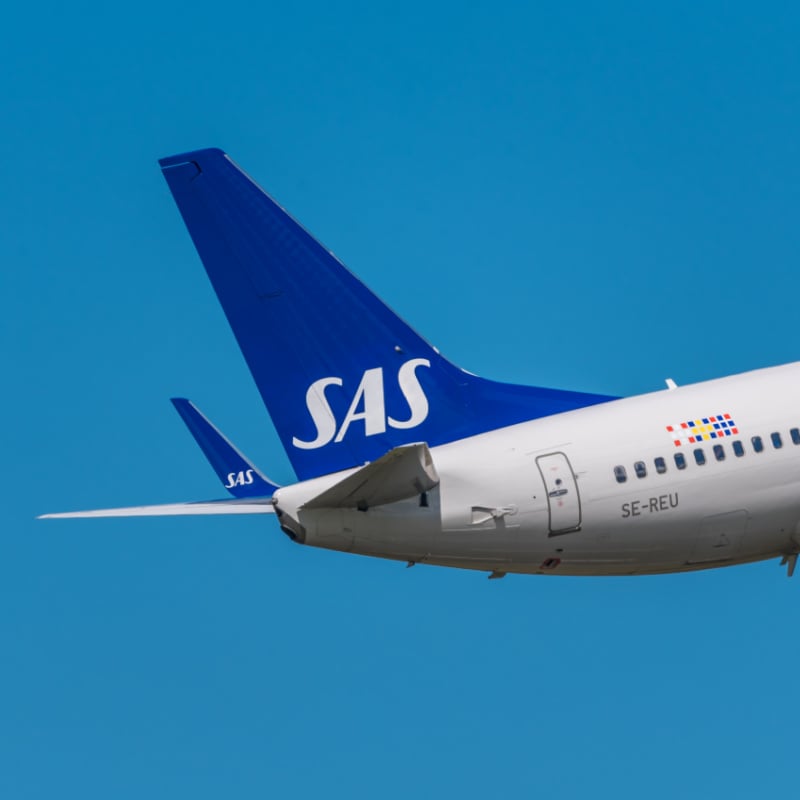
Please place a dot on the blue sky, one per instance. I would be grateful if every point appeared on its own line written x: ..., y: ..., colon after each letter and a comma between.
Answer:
x: 594, y: 196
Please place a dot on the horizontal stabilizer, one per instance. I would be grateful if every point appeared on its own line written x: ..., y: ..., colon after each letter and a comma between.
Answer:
x: 174, y: 510
x: 403, y: 472
x: 237, y: 474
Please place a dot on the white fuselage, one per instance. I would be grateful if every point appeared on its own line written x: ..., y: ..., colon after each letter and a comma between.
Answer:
x: 543, y: 496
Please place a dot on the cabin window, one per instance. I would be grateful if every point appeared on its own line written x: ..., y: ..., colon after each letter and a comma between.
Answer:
x: 777, y: 442
x: 758, y: 445
x: 620, y: 474
x: 795, y: 433
x: 640, y: 469
x: 719, y: 452
x: 661, y: 465
x: 700, y: 456
x: 738, y: 449
x: 680, y: 460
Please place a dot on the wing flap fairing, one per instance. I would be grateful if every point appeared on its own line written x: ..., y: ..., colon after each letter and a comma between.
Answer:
x: 404, y: 472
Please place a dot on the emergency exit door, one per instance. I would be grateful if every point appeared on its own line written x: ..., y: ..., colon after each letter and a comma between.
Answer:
x: 563, y: 502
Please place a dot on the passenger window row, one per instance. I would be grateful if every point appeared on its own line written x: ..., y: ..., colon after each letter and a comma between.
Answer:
x: 699, y: 455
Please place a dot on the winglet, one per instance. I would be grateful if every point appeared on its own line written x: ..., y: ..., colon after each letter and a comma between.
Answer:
x: 237, y: 474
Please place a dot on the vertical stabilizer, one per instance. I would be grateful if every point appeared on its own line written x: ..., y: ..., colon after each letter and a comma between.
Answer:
x: 344, y: 379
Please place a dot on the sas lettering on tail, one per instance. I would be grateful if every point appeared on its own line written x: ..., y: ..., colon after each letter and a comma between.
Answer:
x: 368, y: 404
x: 242, y: 478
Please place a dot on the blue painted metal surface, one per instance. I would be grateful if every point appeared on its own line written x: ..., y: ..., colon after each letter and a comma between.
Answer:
x: 343, y: 377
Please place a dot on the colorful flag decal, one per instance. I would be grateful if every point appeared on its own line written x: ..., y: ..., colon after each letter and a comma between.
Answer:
x: 702, y: 430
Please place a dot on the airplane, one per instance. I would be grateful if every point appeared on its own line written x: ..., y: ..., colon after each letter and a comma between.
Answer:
x: 400, y: 454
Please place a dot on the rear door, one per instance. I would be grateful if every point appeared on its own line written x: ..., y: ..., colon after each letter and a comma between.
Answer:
x: 562, y: 493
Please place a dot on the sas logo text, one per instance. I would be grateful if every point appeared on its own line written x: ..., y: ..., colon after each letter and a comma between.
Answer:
x: 242, y: 478
x: 367, y: 404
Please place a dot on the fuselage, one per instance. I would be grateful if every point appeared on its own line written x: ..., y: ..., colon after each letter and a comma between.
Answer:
x: 599, y: 490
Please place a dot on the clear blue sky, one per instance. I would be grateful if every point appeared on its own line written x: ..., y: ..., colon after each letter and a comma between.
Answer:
x: 594, y: 196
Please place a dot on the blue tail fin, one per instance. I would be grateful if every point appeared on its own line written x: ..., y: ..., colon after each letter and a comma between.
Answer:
x: 237, y: 474
x: 343, y: 377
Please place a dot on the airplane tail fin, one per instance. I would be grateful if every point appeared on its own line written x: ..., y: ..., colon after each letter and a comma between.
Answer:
x: 344, y: 379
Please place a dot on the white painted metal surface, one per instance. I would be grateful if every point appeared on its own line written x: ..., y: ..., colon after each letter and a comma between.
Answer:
x: 562, y: 493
